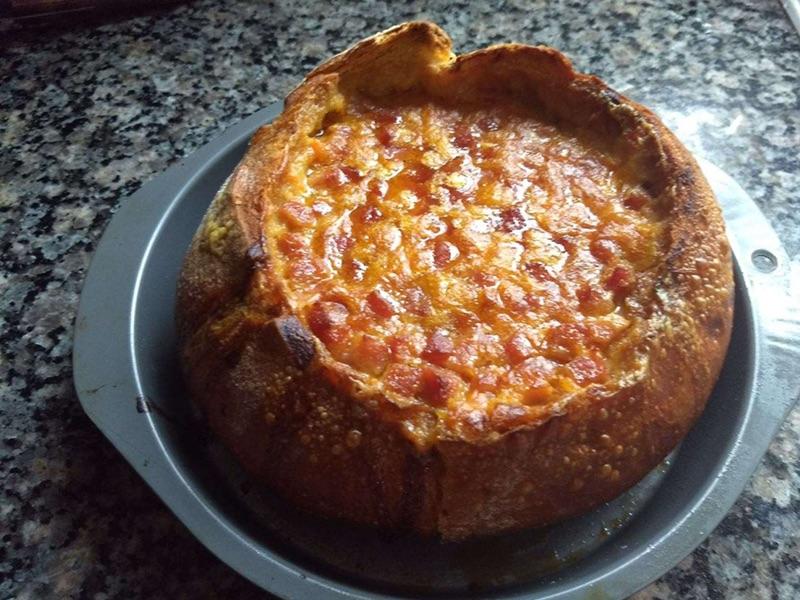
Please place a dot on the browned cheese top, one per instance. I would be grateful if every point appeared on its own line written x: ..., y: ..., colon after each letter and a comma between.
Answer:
x: 477, y: 259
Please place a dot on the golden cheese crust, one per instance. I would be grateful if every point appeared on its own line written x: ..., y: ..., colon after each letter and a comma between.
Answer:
x: 459, y: 295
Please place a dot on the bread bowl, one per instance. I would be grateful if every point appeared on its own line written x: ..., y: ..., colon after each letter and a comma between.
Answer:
x: 458, y: 295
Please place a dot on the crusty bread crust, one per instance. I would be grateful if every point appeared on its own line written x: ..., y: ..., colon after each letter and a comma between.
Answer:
x: 311, y: 428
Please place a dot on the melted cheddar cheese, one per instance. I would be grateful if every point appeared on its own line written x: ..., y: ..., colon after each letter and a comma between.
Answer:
x: 479, y: 260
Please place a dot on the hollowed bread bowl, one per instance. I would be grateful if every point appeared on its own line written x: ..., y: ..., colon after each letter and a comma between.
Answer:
x: 455, y: 294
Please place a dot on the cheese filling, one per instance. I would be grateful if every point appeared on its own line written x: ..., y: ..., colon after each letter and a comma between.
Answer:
x: 476, y: 259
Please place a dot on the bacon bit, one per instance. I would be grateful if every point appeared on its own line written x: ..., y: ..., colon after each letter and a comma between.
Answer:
x: 371, y: 355
x: 514, y: 298
x: 483, y: 278
x: 296, y: 215
x: 444, y: 253
x: 384, y: 135
x: 603, y: 250
x: 532, y: 375
x: 569, y: 336
x: 464, y: 319
x: 342, y: 241
x: 368, y: 213
x: 507, y: 416
x: 406, y: 346
x: 465, y: 356
x: 635, y: 201
x: 537, y: 394
x: 382, y: 303
x: 335, y: 177
x: 489, y: 124
x: 487, y: 381
x: 588, y: 369
x: 355, y: 269
x: 385, y: 116
x: 438, y: 385
x: 419, y: 173
x: 403, y: 379
x: 513, y: 220
x: 304, y: 270
x: 539, y: 271
x: 327, y: 320
x: 376, y: 190
x: 568, y: 242
x: 293, y: 245
x: 463, y: 137
x: 518, y: 348
x: 620, y: 281
x: 439, y: 347
x: 352, y: 174
x: 417, y: 302
x: 593, y: 301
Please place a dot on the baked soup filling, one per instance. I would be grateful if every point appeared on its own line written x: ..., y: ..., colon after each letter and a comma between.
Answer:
x: 477, y: 259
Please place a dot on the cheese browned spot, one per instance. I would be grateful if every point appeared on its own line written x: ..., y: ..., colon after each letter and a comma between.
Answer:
x: 474, y: 259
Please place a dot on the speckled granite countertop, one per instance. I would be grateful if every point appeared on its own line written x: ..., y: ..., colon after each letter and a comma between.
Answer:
x: 87, y: 114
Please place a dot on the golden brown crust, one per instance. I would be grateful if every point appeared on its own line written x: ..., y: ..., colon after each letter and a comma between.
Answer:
x: 315, y: 430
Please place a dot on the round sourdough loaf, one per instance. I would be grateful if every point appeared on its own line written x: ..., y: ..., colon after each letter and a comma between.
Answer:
x: 456, y: 294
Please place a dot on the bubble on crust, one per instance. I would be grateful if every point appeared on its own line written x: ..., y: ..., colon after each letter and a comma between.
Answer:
x: 353, y: 438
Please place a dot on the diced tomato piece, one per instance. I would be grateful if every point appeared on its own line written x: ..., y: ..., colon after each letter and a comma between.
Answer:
x: 439, y: 348
x: 371, y: 355
x: 296, y: 215
x: 438, y: 385
x: 403, y: 379
x: 620, y: 281
x: 444, y: 253
x: 417, y: 302
x: 588, y: 369
x: 603, y: 250
x: 518, y: 348
x: 382, y: 303
x: 328, y: 320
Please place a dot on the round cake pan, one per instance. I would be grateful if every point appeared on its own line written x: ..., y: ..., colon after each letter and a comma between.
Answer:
x: 127, y: 378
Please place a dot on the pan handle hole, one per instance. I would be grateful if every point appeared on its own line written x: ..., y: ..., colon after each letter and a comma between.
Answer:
x: 764, y: 260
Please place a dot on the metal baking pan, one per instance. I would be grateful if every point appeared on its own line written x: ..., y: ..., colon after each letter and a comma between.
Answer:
x: 128, y: 381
